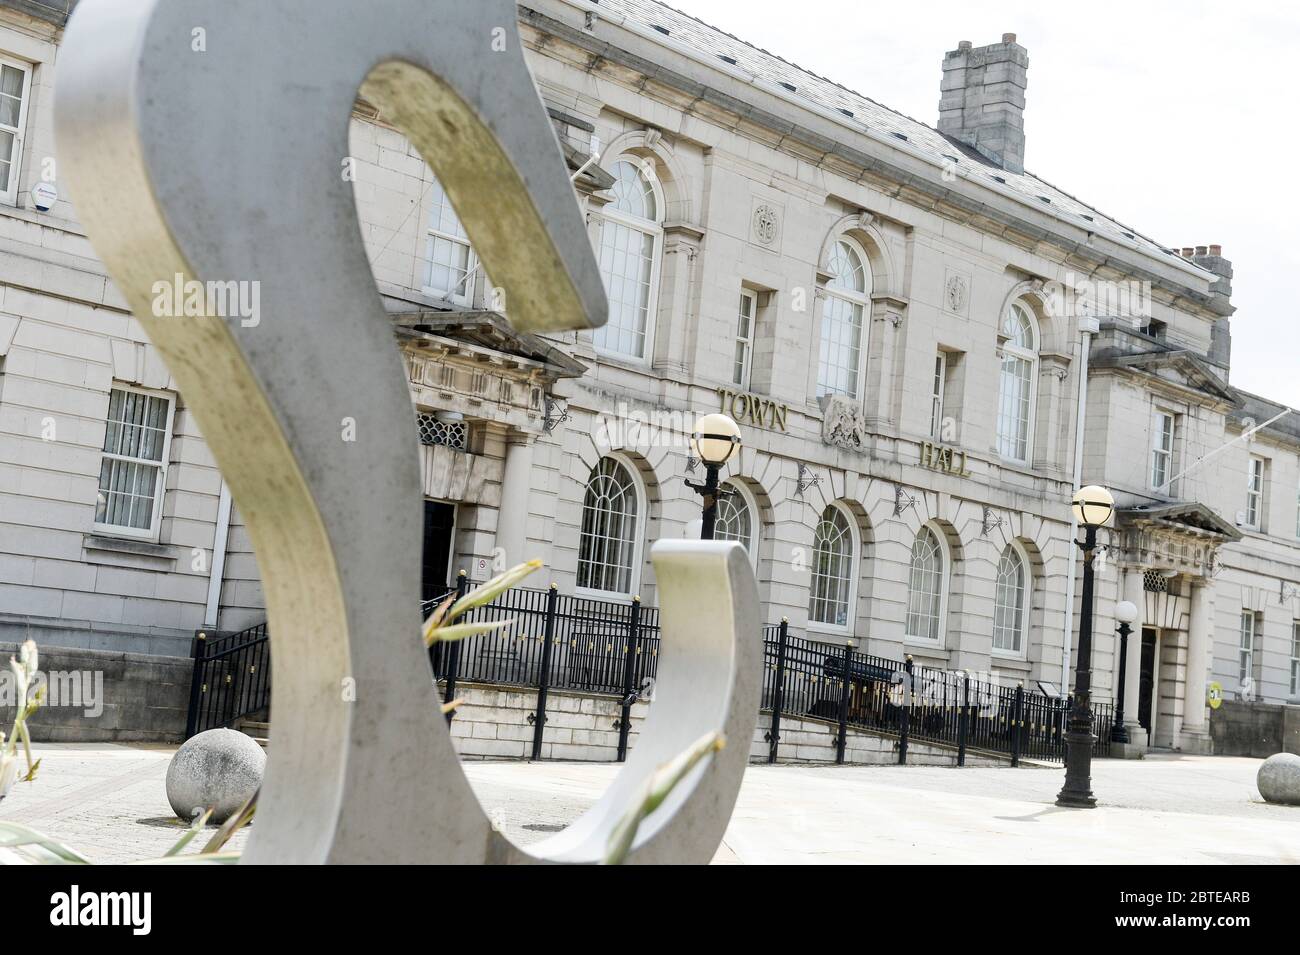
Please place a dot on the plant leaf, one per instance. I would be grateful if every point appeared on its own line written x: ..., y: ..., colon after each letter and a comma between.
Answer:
x: 188, y: 835
x: 655, y: 791
x: 14, y: 835
x: 232, y: 825
x: 493, y: 589
x: 459, y: 631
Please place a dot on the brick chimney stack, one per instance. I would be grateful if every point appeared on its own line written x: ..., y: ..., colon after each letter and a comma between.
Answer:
x: 982, y: 99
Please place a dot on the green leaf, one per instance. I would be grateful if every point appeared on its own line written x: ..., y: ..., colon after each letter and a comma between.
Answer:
x: 188, y: 836
x: 493, y: 589
x: 35, y: 845
x: 232, y: 825
x: 459, y: 631
x: 655, y: 791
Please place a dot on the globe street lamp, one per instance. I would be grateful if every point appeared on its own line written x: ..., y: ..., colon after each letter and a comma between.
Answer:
x: 1093, y: 507
x: 715, y: 441
x: 1125, y: 612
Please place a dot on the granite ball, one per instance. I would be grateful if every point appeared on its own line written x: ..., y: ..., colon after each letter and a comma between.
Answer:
x: 218, y: 770
x: 1279, y: 779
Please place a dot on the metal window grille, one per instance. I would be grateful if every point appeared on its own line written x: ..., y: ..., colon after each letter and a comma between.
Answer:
x: 453, y: 434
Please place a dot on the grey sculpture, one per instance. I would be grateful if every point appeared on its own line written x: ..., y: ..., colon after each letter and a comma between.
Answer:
x: 203, y: 141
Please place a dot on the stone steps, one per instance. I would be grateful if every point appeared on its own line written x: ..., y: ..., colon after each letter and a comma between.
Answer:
x: 259, y: 731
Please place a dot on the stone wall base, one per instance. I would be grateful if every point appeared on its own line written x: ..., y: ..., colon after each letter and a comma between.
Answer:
x: 108, y: 697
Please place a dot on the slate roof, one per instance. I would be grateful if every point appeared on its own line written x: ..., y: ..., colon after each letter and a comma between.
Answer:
x: 858, y: 110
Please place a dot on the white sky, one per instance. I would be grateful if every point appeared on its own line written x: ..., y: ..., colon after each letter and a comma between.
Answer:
x: 1180, y: 119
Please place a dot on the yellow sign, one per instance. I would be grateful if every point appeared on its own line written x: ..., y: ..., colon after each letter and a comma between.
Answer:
x: 938, y: 457
x: 1215, y: 693
x: 743, y: 406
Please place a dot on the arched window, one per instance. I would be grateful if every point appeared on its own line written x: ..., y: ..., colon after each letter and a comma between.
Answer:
x: 610, y: 534
x: 630, y: 241
x: 735, y: 519
x: 1016, y: 390
x: 450, y: 258
x: 832, y: 570
x: 1009, y: 606
x: 925, y: 595
x: 843, y: 338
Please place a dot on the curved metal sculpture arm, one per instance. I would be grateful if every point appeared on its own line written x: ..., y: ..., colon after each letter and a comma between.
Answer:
x: 204, y: 143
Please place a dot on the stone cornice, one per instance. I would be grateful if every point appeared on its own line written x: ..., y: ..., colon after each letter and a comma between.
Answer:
x: 915, y: 183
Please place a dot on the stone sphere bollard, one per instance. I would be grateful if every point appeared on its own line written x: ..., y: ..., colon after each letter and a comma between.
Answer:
x: 1279, y: 779
x: 218, y: 770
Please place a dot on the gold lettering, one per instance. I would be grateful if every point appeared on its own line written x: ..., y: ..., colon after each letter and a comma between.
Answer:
x: 778, y: 415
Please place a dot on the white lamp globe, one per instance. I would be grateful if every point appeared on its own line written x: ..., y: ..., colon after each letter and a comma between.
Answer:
x: 1126, y: 611
x: 1093, y: 505
x: 716, y: 438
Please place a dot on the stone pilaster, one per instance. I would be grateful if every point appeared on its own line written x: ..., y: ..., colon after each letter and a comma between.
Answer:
x: 1195, y: 735
x: 884, y: 362
x: 512, y: 517
x: 1133, y: 666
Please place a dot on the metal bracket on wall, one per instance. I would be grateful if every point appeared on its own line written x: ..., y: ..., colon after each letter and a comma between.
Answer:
x: 803, y: 481
x: 902, y: 500
x: 990, y: 521
x: 550, y: 423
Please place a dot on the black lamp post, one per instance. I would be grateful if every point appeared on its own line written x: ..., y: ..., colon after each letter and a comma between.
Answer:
x: 715, y: 440
x: 1093, y: 506
x: 1125, y: 613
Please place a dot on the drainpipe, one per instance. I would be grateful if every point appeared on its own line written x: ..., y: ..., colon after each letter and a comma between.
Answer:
x: 218, y: 558
x: 1087, y: 328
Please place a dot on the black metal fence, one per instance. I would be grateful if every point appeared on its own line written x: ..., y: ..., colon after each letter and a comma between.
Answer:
x: 578, y: 643
x: 569, y: 642
x: 806, y: 679
x: 231, y: 677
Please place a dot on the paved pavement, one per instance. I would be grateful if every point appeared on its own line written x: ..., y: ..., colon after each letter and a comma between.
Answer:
x: 108, y: 802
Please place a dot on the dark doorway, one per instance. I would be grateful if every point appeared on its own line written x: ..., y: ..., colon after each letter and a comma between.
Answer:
x: 1147, y: 679
x: 439, y: 523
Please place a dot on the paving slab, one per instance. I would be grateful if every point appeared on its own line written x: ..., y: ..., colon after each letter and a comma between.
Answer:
x: 109, y: 802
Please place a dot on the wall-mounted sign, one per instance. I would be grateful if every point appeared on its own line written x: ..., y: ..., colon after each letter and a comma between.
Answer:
x: 1215, y: 695
x: 743, y: 406
x: 939, y: 457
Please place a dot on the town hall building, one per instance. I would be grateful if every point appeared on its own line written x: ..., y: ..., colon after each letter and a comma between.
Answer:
x: 927, y: 349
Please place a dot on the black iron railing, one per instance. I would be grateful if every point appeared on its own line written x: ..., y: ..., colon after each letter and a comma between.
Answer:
x: 231, y: 678
x: 805, y: 678
x: 567, y: 642
x: 802, y: 678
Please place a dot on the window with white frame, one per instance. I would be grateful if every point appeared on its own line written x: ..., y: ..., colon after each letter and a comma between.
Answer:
x: 610, y: 540
x: 631, y: 238
x: 1246, y: 646
x: 843, y: 337
x: 133, y: 468
x: 832, y: 571
x: 1010, y: 610
x: 1295, y: 658
x: 1162, y: 452
x: 1255, y: 493
x: 936, y: 396
x: 734, y: 519
x: 744, y: 337
x: 15, y: 80
x: 450, y: 257
x: 926, y: 583
x: 1017, y: 384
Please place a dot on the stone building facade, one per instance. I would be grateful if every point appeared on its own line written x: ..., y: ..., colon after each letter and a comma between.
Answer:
x: 926, y: 347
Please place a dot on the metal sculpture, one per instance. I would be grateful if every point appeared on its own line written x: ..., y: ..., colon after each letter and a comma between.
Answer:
x: 203, y: 142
